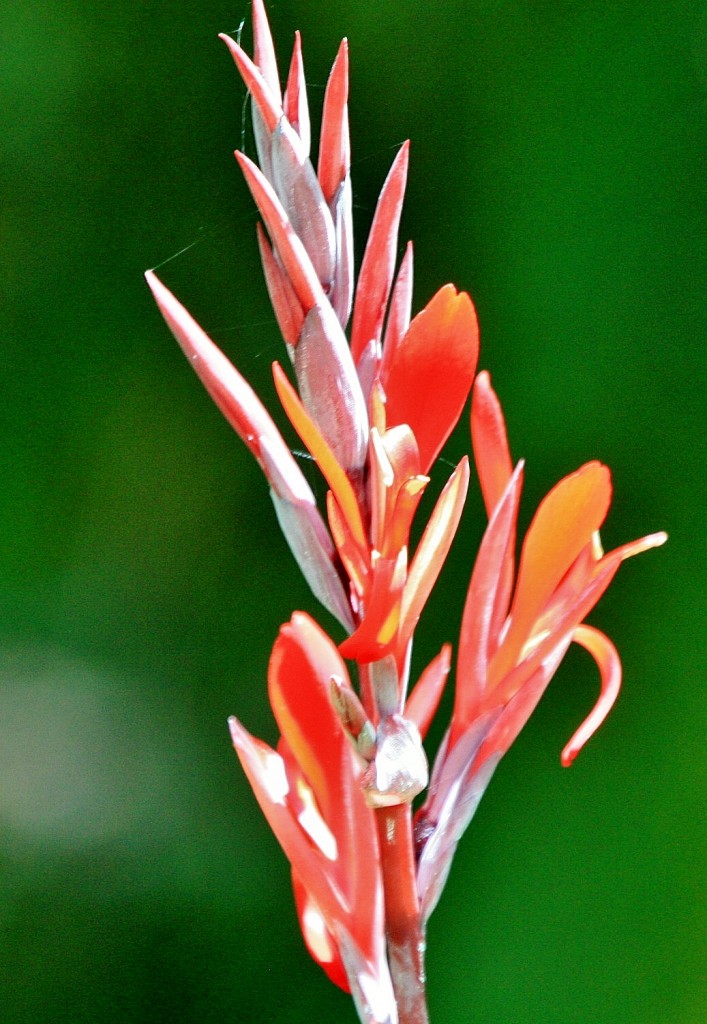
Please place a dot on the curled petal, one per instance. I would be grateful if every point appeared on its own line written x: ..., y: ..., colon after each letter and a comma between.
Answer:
x: 319, y: 939
x: 377, y: 631
x: 607, y: 658
x: 428, y: 380
x: 266, y: 774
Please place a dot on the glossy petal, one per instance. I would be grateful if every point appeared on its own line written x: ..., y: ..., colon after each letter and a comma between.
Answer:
x: 429, y: 379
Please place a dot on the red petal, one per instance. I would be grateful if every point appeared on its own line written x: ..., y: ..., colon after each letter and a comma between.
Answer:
x: 490, y: 443
x: 302, y: 663
x: 319, y: 939
x: 264, y: 49
x: 289, y: 312
x: 295, y: 101
x: 266, y: 98
x: 429, y: 380
x: 607, y: 658
x: 564, y: 523
x: 400, y: 310
x: 231, y: 393
x: 265, y: 770
x: 378, y: 264
x: 334, y: 148
x: 294, y: 256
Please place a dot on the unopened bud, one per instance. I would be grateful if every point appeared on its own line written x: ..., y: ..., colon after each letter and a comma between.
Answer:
x: 398, y: 771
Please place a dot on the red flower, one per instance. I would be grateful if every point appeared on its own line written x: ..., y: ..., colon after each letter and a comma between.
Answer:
x: 515, y: 634
x: 310, y: 792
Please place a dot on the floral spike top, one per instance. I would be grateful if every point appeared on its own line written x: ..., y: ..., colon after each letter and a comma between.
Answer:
x: 374, y: 413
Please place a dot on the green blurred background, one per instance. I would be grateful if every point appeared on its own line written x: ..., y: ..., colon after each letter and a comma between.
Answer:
x: 555, y: 176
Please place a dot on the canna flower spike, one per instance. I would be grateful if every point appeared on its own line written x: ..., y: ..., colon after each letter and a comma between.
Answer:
x: 374, y: 414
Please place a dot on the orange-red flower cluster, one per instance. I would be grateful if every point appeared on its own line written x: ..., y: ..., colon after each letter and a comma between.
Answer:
x: 374, y: 413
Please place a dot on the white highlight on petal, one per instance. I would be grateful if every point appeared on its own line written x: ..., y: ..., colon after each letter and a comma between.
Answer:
x: 316, y: 933
x: 274, y: 777
x: 314, y: 825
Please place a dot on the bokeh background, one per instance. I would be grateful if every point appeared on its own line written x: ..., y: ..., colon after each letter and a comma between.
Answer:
x: 555, y: 176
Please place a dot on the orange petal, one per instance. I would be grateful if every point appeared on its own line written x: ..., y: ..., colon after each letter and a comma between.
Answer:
x: 564, y: 523
x: 377, y: 631
x: 322, y: 454
x: 607, y: 658
x: 490, y: 442
x: 428, y: 381
x: 433, y: 549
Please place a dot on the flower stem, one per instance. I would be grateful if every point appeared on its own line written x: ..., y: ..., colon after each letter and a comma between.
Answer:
x: 406, y: 940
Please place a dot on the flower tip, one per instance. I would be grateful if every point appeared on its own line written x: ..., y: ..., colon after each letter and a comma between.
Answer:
x: 567, y: 757
x: 236, y: 730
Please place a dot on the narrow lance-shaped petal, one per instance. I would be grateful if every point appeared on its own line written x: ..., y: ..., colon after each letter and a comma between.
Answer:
x: 294, y: 105
x: 296, y: 507
x: 378, y: 266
